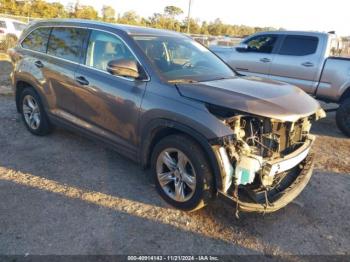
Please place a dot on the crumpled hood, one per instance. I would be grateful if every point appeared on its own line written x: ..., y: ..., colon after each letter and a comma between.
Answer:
x: 254, y: 95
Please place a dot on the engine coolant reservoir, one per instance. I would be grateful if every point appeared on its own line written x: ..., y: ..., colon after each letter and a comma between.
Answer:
x: 246, y: 168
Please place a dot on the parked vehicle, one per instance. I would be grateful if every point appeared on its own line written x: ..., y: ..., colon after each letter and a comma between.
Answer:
x: 10, y: 31
x: 299, y: 58
x: 167, y: 102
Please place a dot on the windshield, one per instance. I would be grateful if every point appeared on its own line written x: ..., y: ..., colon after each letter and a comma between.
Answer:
x: 183, y: 59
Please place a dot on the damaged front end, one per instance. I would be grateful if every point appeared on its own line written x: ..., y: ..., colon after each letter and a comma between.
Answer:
x: 265, y: 163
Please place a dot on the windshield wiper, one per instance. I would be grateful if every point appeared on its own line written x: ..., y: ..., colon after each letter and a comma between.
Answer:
x: 182, y: 81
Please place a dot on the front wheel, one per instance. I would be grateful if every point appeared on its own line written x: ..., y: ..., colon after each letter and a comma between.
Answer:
x: 343, y: 117
x: 182, y: 173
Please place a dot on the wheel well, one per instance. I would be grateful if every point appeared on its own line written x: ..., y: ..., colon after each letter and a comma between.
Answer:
x: 345, y: 95
x: 158, y: 135
x: 162, y: 132
x: 20, y: 86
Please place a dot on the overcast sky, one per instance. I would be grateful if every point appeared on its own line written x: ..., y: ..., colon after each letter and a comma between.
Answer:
x: 316, y: 15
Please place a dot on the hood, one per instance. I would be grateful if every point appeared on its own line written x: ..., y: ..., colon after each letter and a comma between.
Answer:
x: 254, y: 95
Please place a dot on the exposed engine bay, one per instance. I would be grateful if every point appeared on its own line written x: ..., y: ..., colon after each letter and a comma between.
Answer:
x: 262, y: 152
x: 256, y: 140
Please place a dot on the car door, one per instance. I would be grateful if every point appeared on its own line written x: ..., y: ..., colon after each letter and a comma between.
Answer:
x: 109, y: 104
x: 64, y: 53
x: 258, y: 57
x: 297, y: 62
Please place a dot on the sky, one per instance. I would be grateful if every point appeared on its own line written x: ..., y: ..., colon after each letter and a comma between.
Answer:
x: 314, y: 15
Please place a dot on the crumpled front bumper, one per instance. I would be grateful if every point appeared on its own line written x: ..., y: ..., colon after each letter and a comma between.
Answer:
x: 285, y: 197
x: 298, y: 165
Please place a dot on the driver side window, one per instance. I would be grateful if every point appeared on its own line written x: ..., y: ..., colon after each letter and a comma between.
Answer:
x: 103, y: 48
x: 261, y: 44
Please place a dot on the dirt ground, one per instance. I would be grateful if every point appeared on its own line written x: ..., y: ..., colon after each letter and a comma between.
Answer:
x: 65, y: 194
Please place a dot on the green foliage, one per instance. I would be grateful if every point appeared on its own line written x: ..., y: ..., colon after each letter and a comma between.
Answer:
x: 173, y: 11
x: 108, y: 14
x: 86, y: 12
x: 169, y: 19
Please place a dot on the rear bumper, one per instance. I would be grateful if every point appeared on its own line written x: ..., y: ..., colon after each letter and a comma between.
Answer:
x: 283, y: 198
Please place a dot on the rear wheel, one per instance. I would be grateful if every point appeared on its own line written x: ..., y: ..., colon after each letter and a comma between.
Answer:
x: 182, y: 173
x: 343, y: 117
x: 33, y: 113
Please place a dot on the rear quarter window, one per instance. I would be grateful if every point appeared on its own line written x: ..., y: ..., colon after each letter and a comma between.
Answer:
x: 37, y: 40
x: 66, y: 43
x: 299, y: 45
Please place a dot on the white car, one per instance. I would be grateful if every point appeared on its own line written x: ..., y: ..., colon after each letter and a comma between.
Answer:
x: 10, y: 31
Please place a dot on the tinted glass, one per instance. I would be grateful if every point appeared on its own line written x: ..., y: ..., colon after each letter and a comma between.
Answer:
x: 66, y: 43
x: 261, y: 44
x: 37, y: 40
x: 19, y: 26
x: 103, y: 48
x: 299, y: 45
x: 182, y: 59
x: 2, y: 24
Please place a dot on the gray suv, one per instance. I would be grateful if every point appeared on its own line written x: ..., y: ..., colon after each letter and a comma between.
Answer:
x: 169, y: 103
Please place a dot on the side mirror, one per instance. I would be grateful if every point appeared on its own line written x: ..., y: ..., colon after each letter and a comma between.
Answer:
x: 123, y: 67
x: 242, y: 48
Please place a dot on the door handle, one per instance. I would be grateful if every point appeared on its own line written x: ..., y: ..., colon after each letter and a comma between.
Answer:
x: 38, y: 64
x: 307, y: 64
x: 82, y: 80
x: 265, y: 60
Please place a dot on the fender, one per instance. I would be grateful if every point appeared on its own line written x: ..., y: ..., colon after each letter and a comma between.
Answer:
x: 152, y: 130
x: 25, y: 80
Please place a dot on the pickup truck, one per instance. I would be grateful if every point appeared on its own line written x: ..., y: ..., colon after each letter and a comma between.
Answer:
x: 303, y: 59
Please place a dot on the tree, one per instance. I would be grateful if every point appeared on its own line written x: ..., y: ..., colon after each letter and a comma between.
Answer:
x: 130, y: 17
x: 166, y: 20
x: 173, y: 11
x: 108, y: 14
x: 42, y: 9
x: 86, y: 12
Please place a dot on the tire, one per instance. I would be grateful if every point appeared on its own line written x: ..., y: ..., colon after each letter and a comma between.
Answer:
x: 197, y: 192
x: 33, y: 113
x: 343, y: 117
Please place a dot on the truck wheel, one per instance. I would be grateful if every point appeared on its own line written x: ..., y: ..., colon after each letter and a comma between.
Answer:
x: 182, y: 173
x: 33, y: 113
x: 343, y: 117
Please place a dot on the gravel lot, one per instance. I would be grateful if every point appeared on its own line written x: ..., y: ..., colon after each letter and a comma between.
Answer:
x: 64, y: 194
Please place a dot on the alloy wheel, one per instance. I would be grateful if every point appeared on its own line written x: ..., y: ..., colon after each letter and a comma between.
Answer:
x: 31, y: 112
x: 176, y: 175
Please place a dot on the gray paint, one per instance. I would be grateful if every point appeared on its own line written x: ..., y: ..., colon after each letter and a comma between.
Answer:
x: 119, y: 111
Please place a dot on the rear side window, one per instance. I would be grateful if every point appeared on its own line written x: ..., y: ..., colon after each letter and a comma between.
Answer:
x: 2, y: 24
x: 66, y: 43
x: 299, y: 45
x: 37, y: 40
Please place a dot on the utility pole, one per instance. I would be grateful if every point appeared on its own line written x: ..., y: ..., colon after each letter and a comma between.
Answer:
x: 189, y: 16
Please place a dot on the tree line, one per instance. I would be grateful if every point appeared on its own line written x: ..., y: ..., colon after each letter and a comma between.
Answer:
x: 168, y: 19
